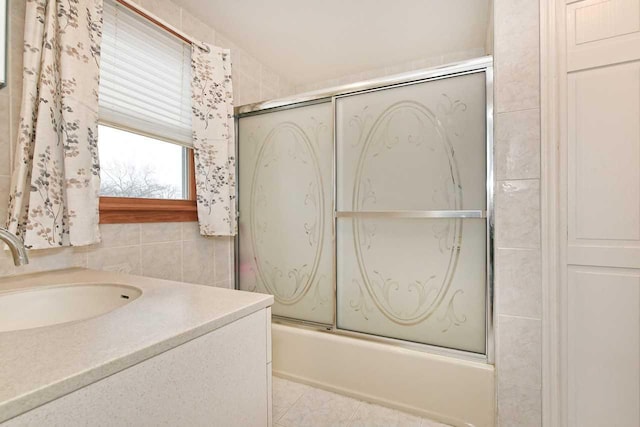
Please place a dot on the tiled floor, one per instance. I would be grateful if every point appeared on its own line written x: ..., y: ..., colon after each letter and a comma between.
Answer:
x: 300, y: 405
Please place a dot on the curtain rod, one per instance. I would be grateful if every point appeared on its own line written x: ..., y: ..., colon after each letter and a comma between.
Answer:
x: 129, y: 4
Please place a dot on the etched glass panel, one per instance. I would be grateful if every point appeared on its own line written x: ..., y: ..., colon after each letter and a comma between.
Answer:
x: 286, y: 249
x: 419, y: 280
x: 414, y: 147
x: 417, y: 147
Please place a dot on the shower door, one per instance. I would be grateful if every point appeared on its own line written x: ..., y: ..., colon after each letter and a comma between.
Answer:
x: 369, y: 211
x: 411, y: 200
x: 285, y: 204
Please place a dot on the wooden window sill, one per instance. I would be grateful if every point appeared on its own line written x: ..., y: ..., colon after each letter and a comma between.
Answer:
x: 126, y: 210
x: 129, y: 210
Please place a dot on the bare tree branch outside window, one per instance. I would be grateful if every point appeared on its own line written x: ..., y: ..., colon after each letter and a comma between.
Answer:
x: 121, y: 179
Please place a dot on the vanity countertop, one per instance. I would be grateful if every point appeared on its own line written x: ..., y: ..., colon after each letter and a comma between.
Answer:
x: 42, y: 364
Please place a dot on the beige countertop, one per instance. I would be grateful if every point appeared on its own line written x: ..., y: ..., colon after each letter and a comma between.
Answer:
x: 41, y: 364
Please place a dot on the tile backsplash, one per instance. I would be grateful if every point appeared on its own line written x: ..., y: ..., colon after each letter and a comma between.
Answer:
x: 174, y: 251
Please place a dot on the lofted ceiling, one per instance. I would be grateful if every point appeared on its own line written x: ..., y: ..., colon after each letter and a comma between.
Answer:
x: 312, y: 40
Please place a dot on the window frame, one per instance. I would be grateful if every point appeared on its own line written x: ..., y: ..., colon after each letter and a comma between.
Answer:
x: 128, y: 210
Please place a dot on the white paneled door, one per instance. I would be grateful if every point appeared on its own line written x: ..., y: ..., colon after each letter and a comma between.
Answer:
x: 602, y: 164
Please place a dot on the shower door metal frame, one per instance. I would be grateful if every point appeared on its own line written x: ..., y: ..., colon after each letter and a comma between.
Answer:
x: 479, y: 65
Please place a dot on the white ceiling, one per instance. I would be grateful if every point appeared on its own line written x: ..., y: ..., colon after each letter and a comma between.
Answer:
x: 313, y: 40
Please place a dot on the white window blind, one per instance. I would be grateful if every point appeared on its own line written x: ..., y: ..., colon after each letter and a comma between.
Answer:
x: 145, y: 77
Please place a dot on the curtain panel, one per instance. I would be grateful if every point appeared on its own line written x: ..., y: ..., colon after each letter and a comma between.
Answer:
x: 213, y: 140
x: 55, y: 184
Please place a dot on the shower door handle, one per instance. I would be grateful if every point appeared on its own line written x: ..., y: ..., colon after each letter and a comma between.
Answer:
x: 412, y: 214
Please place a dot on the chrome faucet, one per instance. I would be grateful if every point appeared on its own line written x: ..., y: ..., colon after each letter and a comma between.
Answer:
x: 18, y: 251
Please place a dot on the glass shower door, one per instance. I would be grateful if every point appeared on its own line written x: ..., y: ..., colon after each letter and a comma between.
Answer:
x: 285, y: 204
x: 410, y: 205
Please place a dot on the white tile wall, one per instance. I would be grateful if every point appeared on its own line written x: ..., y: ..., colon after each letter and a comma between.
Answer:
x: 394, y: 69
x: 518, y: 213
x: 519, y: 372
x: 173, y: 251
x: 519, y: 271
x: 517, y: 145
x: 517, y: 159
x: 252, y: 81
x: 517, y: 52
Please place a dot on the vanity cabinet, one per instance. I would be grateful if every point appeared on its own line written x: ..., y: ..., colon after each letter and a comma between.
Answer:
x: 221, y: 378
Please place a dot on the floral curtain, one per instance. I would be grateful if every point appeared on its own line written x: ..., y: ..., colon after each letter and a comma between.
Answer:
x: 213, y: 140
x: 55, y: 185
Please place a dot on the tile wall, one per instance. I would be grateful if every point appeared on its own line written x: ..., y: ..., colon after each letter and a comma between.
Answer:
x: 517, y: 160
x: 395, y: 69
x: 172, y: 251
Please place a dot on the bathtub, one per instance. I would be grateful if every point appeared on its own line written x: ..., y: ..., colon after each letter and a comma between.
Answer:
x: 451, y: 390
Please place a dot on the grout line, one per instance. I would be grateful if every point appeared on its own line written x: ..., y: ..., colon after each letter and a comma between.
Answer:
x: 497, y: 112
x: 300, y: 397
x: 518, y: 111
x: 516, y: 179
x: 181, y: 260
x: 141, y: 267
x: 282, y: 414
x: 214, y: 261
x: 519, y: 317
x: 182, y: 248
x: 519, y: 249
x: 285, y: 411
x: 537, y: 248
x: 355, y: 411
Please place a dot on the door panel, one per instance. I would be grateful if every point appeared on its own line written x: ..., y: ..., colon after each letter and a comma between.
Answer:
x: 420, y: 280
x: 286, y: 247
x: 413, y: 147
x: 412, y: 150
x: 605, y: 133
x: 602, y: 32
x: 604, y: 347
x: 602, y: 152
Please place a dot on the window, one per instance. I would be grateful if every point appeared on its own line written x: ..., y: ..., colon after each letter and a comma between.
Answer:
x: 163, y: 175
x: 146, y: 153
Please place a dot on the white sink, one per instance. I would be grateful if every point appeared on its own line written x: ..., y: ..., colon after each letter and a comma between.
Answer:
x: 37, y: 307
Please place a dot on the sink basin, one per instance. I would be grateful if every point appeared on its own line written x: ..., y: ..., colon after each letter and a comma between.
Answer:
x: 46, y: 306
